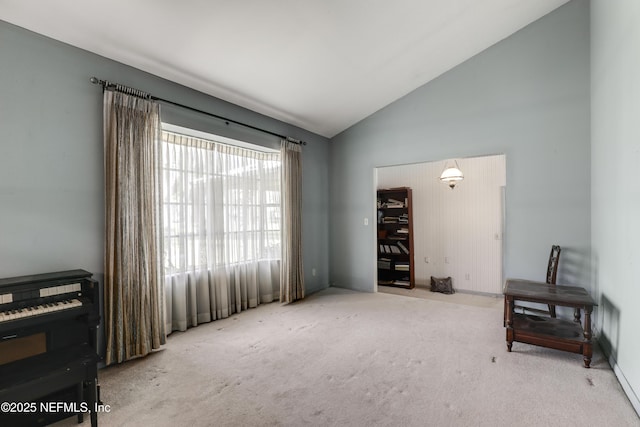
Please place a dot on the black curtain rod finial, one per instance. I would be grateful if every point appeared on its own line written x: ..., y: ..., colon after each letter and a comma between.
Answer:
x: 97, y: 81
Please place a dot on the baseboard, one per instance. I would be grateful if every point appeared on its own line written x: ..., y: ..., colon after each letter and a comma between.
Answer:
x: 628, y: 390
x: 427, y: 286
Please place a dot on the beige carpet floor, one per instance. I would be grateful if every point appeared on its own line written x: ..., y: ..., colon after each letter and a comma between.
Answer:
x: 342, y: 358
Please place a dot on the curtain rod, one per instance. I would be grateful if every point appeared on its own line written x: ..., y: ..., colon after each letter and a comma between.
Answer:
x: 131, y: 91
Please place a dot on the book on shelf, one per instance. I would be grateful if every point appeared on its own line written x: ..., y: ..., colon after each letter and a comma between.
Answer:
x: 403, y: 247
x: 394, y: 203
x: 389, y: 249
x: 391, y: 203
x: 397, y: 237
x: 384, y: 263
x: 402, y: 230
x: 402, y: 266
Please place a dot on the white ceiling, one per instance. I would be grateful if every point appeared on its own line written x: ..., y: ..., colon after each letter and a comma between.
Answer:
x: 322, y: 65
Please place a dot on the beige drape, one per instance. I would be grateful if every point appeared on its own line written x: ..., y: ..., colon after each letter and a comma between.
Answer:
x: 291, y: 268
x: 133, y: 297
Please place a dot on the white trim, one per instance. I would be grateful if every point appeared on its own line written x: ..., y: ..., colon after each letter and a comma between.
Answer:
x: 628, y: 390
x: 626, y: 387
x: 374, y: 224
x: 216, y: 138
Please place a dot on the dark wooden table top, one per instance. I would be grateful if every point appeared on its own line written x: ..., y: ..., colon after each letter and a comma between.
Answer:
x: 567, y: 296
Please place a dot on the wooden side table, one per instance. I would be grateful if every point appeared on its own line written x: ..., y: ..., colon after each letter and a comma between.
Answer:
x: 549, y: 332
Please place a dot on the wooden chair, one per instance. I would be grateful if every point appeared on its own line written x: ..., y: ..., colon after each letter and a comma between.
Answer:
x: 552, y: 273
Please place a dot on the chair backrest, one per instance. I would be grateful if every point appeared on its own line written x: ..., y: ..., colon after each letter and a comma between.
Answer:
x: 552, y: 268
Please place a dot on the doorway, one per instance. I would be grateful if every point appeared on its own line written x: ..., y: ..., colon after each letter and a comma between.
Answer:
x: 458, y: 232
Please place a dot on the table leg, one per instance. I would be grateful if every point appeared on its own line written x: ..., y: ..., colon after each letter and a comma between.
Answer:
x: 509, y: 321
x: 576, y: 315
x: 588, y: 350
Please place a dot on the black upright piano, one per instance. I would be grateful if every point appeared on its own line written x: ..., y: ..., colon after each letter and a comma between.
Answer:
x: 48, y: 348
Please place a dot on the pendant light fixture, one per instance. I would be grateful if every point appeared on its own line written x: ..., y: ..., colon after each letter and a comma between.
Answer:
x: 451, y: 174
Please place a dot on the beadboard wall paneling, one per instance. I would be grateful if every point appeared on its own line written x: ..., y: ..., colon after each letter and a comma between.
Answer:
x: 457, y: 232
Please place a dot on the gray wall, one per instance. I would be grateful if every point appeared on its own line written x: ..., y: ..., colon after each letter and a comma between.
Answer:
x: 615, y: 139
x: 51, y: 155
x: 526, y: 97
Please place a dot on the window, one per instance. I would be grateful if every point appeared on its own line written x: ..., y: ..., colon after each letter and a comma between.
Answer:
x: 221, y: 203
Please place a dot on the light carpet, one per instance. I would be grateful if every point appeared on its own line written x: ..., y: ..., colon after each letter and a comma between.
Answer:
x: 343, y: 358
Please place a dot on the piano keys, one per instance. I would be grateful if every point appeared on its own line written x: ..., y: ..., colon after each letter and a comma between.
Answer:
x: 48, y: 344
x: 43, y: 308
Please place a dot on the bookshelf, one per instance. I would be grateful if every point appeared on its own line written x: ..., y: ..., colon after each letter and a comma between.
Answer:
x: 395, y: 238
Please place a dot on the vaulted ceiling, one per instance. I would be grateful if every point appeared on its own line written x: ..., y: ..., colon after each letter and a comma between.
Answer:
x: 322, y: 65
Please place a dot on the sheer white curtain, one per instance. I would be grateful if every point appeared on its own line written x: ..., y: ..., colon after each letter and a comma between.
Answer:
x: 221, y: 229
